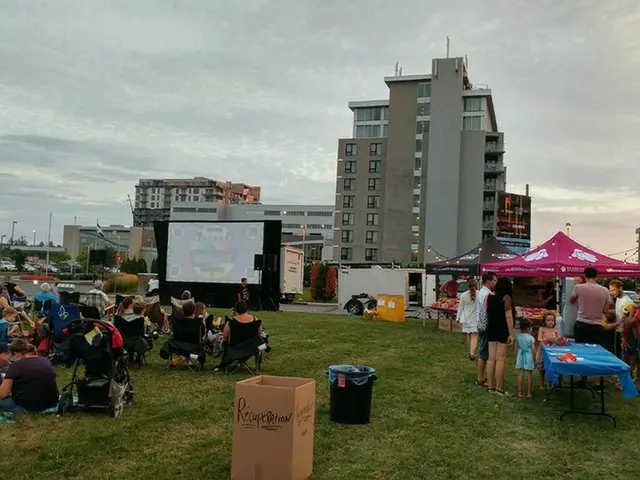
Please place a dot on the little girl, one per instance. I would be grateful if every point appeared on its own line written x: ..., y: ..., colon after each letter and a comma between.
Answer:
x: 525, y: 345
x: 547, y: 332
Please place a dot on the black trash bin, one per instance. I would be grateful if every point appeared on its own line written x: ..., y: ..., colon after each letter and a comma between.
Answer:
x: 351, y: 389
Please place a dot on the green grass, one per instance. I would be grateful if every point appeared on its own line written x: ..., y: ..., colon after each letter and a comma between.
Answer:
x: 428, y: 420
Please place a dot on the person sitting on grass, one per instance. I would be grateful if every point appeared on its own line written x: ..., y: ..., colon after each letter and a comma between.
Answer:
x: 524, y: 357
x: 11, y: 316
x: 30, y: 382
x: 5, y: 357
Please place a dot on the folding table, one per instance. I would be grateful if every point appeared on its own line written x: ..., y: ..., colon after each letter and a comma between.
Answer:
x: 591, y: 361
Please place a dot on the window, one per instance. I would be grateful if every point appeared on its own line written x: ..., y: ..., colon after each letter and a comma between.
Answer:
x: 418, y: 164
x: 384, y: 131
x: 473, y: 104
x: 472, y: 123
x: 373, y: 219
x: 272, y: 213
x: 351, y: 150
x: 371, y: 254
x: 416, y: 200
x: 177, y: 198
x: 367, y: 131
x: 348, y: 201
x: 416, y: 182
x: 375, y: 149
x: 418, y: 145
x: 371, y: 237
x: 373, y: 201
x: 374, y: 166
x: 424, y: 90
x: 374, y: 184
x: 153, y: 205
x: 350, y: 166
x: 293, y: 213
x: 347, y: 218
x: 196, y: 198
x: 346, y: 253
x: 416, y: 220
x: 196, y: 190
x: 424, y: 109
x: 347, y: 236
x: 422, y: 127
x: 414, y: 257
x: 320, y: 214
x: 348, y: 184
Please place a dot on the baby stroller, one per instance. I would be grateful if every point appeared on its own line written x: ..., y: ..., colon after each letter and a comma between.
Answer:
x: 106, y: 383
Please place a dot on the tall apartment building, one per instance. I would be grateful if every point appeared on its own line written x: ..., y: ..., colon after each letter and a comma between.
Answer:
x: 421, y: 171
x: 155, y: 197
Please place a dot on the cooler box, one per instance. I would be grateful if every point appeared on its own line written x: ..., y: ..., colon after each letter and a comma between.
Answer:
x: 391, y: 308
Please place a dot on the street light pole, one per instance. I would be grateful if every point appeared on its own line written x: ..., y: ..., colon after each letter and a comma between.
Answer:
x: 13, y: 231
x: 34, y: 238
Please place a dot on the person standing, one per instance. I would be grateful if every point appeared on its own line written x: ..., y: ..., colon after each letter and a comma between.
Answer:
x: 243, y: 292
x: 594, y: 301
x: 620, y: 301
x: 450, y: 289
x: 489, y: 280
x: 467, y: 316
x: 500, y: 327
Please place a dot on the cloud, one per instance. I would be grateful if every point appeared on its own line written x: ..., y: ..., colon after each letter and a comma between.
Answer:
x: 95, y: 95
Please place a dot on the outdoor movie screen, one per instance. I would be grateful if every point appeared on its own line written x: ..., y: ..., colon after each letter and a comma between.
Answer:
x: 214, y: 252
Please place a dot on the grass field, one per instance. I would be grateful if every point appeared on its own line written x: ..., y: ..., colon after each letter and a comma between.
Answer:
x: 428, y: 419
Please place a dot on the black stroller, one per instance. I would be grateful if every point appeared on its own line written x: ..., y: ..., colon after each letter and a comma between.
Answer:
x: 106, y: 383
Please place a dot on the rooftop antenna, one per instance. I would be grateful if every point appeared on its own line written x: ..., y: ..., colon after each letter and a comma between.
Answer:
x: 447, y: 46
x: 396, y: 72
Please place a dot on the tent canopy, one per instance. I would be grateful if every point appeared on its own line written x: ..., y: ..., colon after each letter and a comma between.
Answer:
x: 490, y: 250
x: 561, y: 256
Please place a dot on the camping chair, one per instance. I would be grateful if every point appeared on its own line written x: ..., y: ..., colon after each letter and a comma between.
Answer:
x: 119, y: 299
x: 43, y: 308
x: 185, y: 343
x: 133, y: 335
x: 94, y: 306
x: 59, y: 319
x: 244, y: 343
x: 176, y: 307
x: 154, y: 311
x: 20, y: 302
x: 69, y: 298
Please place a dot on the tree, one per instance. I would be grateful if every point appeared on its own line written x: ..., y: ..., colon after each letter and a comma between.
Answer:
x: 130, y: 265
x: 142, y: 266
x: 19, y: 258
x: 313, y: 280
x: 154, y: 265
x: 331, y: 283
x: 59, y: 257
x: 82, y: 258
x: 21, y: 242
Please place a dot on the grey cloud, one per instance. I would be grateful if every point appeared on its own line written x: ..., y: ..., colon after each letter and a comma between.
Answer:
x: 257, y: 91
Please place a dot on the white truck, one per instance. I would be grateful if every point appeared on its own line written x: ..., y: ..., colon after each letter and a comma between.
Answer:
x: 358, y: 287
x: 291, y: 273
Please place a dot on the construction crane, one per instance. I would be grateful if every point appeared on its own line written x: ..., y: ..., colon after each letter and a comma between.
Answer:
x: 133, y: 212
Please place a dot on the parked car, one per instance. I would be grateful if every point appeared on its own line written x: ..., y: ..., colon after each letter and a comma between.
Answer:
x: 6, y: 266
x: 633, y: 296
x: 28, y: 268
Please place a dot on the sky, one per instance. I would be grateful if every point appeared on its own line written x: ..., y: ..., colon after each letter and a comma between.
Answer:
x: 94, y: 95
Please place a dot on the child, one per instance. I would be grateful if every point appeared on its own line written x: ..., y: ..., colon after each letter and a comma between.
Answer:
x: 547, y: 333
x: 525, y: 350
x: 630, y: 338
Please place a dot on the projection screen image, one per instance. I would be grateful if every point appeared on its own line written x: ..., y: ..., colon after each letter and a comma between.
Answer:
x: 213, y: 252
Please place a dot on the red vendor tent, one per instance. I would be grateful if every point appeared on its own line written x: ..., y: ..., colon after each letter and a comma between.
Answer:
x: 561, y: 256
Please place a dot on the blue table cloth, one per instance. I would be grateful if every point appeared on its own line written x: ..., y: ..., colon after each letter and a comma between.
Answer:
x: 593, y: 361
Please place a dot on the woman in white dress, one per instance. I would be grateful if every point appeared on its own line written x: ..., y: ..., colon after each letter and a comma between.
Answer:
x: 468, y: 317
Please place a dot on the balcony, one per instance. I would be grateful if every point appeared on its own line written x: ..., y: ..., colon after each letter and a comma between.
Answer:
x: 415, y: 228
x: 489, y: 206
x: 488, y: 225
x: 493, y: 186
x: 494, y: 148
x: 493, y: 167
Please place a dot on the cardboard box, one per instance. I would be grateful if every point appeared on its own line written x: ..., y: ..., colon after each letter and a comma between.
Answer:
x: 273, y: 428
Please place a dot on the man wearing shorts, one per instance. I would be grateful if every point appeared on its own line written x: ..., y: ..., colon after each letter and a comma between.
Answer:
x: 594, y: 301
x: 489, y: 280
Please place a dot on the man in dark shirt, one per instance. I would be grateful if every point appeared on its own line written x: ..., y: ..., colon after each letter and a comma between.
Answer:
x: 4, y: 359
x: 243, y: 292
x: 30, y: 382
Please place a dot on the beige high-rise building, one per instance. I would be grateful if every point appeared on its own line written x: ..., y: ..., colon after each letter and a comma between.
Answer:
x: 155, y: 197
x: 421, y: 171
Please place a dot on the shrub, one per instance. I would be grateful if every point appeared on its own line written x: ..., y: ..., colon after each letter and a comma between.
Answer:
x: 142, y: 266
x: 154, y: 265
x: 331, y: 283
x: 122, y: 283
x: 313, y: 280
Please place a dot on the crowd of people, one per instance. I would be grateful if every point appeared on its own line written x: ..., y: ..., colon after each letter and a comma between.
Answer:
x: 27, y: 376
x: 605, y: 316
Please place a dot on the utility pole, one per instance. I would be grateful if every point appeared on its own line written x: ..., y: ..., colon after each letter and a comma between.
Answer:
x: 638, y: 235
x: 13, y: 232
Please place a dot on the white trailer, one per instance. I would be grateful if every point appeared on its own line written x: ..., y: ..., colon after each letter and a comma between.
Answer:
x: 358, y: 287
x: 291, y: 273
